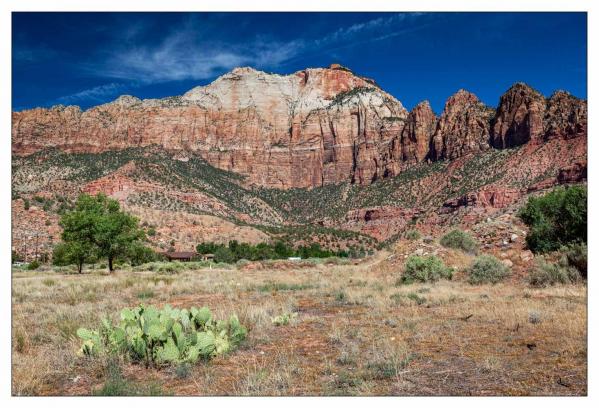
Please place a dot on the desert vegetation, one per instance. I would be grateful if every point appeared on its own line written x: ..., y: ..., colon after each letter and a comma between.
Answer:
x: 556, y: 219
x: 468, y: 310
x: 96, y: 228
x: 236, y: 251
x: 315, y: 329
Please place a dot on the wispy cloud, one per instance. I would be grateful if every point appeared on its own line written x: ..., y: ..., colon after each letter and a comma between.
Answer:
x: 180, y: 56
x: 186, y: 54
x: 183, y: 54
x: 97, y: 93
x: 350, y: 32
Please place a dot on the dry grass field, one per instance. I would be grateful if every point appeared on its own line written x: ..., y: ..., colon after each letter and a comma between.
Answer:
x: 356, y: 333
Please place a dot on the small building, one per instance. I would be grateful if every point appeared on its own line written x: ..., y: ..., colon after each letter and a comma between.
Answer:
x: 207, y: 257
x: 294, y: 258
x: 180, y: 256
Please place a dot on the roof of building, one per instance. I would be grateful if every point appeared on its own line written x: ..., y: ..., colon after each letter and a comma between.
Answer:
x: 183, y: 254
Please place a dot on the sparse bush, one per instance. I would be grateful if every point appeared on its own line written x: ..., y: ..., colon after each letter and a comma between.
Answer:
x: 412, y: 235
x: 487, y: 269
x: 33, y: 265
x: 576, y: 256
x: 548, y: 274
x: 425, y: 269
x: 420, y: 300
x: 556, y: 219
x: 284, y: 319
x: 458, y: 239
x: 534, y: 317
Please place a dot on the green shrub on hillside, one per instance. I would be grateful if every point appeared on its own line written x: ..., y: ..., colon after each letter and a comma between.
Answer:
x: 412, y: 235
x: 487, y: 269
x: 549, y: 274
x: 576, y: 255
x: 425, y: 269
x: 458, y: 239
x: 556, y: 219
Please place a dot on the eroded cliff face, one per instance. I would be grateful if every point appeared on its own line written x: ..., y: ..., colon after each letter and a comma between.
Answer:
x: 519, y: 117
x: 565, y: 116
x: 417, y: 134
x: 524, y: 115
x: 463, y: 127
x: 314, y: 127
x: 311, y: 128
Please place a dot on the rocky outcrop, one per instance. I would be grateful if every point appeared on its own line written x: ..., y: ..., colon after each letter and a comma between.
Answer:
x: 519, y: 117
x: 417, y: 133
x: 463, y: 127
x: 575, y: 173
x: 565, y: 116
x: 380, y: 222
x: 310, y: 128
x: 491, y: 198
x: 524, y: 115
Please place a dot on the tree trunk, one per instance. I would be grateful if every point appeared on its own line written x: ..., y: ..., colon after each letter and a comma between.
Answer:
x: 110, y: 268
x: 80, y: 267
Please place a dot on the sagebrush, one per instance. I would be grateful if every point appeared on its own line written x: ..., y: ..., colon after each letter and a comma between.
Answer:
x: 458, y: 239
x: 425, y: 269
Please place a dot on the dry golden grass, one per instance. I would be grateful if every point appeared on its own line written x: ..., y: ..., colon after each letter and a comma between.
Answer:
x: 356, y: 333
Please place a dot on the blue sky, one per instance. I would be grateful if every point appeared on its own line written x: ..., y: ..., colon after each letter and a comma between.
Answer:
x: 90, y: 58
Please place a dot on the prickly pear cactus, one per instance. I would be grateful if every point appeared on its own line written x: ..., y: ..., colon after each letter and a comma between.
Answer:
x: 164, y: 336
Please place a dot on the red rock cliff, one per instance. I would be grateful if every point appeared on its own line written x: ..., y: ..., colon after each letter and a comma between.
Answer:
x: 313, y: 127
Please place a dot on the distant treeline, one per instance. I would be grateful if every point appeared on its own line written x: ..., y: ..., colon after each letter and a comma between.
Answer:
x: 235, y: 251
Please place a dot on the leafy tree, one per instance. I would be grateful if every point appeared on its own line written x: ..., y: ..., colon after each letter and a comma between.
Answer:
x: 207, y: 247
x: 224, y: 254
x: 98, y: 224
x: 282, y: 250
x: 73, y: 252
x: 138, y: 254
x: 556, y: 219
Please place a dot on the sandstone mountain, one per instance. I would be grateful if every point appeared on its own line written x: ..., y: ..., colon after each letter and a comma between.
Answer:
x: 311, y: 128
x: 321, y: 155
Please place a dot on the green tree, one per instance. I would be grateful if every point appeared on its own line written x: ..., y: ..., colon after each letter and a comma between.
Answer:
x: 73, y: 252
x: 138, y: 254
x: 99, y: 225
x: 556, y: 219
x: 282, y: 250
x: 224, y: 254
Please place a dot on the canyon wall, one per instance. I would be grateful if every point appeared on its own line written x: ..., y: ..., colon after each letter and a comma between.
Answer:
x: 311, y: 128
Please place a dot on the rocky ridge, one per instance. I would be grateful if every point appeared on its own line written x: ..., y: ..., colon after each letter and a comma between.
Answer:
x: 315, y: 127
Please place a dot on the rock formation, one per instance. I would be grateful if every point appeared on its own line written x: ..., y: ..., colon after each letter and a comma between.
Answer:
x: 524, y: 115
x: 565, y: 116
x: 519, y: 117
x: 463, y: 127
x: 417, y: 133
x: 310, y: 128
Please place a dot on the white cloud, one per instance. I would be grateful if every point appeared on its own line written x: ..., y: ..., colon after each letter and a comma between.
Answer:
x: 184, y: 55
x: 97, y: 93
